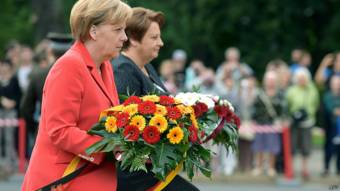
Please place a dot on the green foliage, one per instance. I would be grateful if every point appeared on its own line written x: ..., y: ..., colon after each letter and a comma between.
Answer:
x: 15, y: 23
x: 164, y: 159
x: 262, y: 29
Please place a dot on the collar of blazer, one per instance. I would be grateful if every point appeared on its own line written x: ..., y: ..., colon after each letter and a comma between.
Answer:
x: 103, y: 82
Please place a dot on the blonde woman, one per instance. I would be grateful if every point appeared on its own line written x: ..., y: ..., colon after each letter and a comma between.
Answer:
x: 78, y: 87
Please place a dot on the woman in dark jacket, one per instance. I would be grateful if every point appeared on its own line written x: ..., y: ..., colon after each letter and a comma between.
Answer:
x: 10, y: 95
x: 135, y: 76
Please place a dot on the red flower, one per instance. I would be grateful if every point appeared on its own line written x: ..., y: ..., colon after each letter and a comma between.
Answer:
x: 166, y: 100
x: 122, y: 119
x: 151, y: 134
x: 173, y: 113
x: 222, y: 111
x: 237, y: 121
x: 131, y: 132
x: 147, y: 107
x: 132, y: 100
x: 200, y: 109
x: 193, y: 134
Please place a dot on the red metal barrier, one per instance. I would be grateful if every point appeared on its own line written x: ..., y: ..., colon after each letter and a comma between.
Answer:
x: 288, y: 164
x: 22, y: 146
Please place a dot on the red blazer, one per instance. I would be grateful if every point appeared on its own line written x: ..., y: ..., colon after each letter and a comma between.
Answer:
x: 73, y: 97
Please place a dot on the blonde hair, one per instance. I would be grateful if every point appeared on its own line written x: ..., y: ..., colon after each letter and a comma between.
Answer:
x: 86, y: 13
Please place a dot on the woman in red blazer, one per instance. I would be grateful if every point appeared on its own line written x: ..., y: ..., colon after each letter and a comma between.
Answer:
x: 78, y: 87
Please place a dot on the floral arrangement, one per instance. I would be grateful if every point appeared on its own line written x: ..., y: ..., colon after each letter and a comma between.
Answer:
x: 166, y: 131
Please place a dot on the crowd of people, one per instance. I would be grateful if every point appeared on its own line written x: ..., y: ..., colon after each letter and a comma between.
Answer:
x: 288, y: 95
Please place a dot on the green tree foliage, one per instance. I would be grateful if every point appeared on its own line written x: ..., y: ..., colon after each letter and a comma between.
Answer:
x: 14, y: 22
x: 262, y: 29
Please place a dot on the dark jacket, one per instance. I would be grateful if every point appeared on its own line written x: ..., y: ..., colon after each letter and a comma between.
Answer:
x: 32, y: 97
x: 130, y: 80
x: 11, y: 90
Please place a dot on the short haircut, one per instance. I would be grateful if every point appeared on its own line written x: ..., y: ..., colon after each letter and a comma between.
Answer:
x: 301, y: 72
x: 86, y: 13
x: 139, y: 23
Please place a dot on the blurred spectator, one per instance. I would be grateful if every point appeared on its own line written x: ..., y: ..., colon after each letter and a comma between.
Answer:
x: 193, y: 74
x: 179, y: 58
x: 295, y: 56
x: 329, y: 66
x: 25, y: 67
x: 9, y: 100
x: 267, y: 112
x: 304, y: 61
x: 247, y: 95
x: 283, y: 72
x: 31, y: 101
x: 206, y: 82
x: 303, y: 102
x: 229, y: 91
x: 331, y: 101
x: 232, y: 61
x: 167, y: 76
x: 13, y: 53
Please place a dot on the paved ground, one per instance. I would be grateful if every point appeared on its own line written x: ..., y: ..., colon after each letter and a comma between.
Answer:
x: 242, y: 182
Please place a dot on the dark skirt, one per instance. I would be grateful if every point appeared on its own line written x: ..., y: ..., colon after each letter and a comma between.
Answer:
x: 141, y: 181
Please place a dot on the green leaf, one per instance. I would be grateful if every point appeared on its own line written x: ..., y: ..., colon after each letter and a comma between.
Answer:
x: 112, y: 144
x: 189, y: 168
x: 164, y: 159
x: 138, y: 163
x: 97, y: 146
x: 123, y: 97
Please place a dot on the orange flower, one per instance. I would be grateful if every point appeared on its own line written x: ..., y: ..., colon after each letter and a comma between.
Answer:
x: 160, y: 110
x: 160, y: 122
x: 175, y: 135
x: 111, y: 125
x: 138, y: 121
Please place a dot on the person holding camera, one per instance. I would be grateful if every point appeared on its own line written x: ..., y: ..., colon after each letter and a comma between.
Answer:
x: 329, y: 66
x: 303, y: 102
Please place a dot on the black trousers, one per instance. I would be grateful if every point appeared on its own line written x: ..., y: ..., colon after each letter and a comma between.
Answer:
x: 141, y: 181
x: 330, y: 150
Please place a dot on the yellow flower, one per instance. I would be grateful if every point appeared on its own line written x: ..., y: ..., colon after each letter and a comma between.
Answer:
x: 177, y: 101
x: 110, y: 124
x: 117, y: 108
x: 160, y: 122
x: 175, y: 135
x: 185, y: 109
x: 138, y: 121
x: 131, y: 109
x: 152, y: 98
x: 160, y: 110
x: 194, y: 120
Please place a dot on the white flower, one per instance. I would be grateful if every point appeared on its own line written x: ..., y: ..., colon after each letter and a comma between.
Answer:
x: 207, y: 100
x: 188, y: 99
